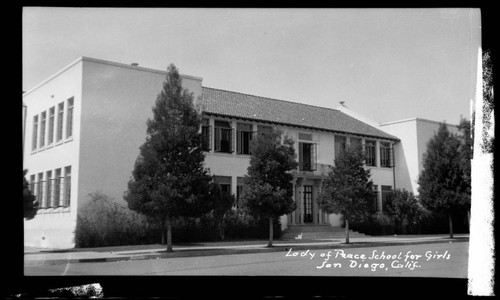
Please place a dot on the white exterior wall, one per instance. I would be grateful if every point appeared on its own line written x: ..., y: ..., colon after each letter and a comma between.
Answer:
x: 118, y: 100
x: 112, y: 103
x: 53, y: 227
x: 414, y: 134
x: 235, y: 165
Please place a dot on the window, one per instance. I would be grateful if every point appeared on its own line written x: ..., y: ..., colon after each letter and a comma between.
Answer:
x: 386, y: 155
x: 39, y: 191
x: 51, y: 125
x: 370, y: 153
x: 67, y: 186
x: 60, y: 116
x: 386, y: 192
x: 224, y: 183
x: 32, y: 184
x: 223, y: 137
x: 69, y: 118
x: 35, y: 132
x: 355, y: 143
x: 48, y: 189
x: 243, y: 137
x: 263, y: 129
x: 57, y: 188
x: 307, y: 156
x: 340, y: 145
x: 205, y: 135
x: 43, y: 121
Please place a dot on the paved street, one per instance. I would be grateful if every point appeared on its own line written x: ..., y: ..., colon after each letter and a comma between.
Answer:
x: 423, y: 260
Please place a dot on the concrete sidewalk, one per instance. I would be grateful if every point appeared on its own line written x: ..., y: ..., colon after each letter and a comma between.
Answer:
x: 37, y: 256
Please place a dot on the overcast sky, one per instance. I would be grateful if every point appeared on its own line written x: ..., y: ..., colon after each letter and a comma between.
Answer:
x: 386, y: 64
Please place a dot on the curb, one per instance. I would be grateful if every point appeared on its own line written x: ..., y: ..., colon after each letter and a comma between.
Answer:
x: 215, y: 252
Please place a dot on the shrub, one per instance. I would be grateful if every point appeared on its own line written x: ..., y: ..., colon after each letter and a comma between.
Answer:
x: 377, y: 224
x: 103, y: 222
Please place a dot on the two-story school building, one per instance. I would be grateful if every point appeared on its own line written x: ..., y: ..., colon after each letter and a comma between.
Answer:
x: 83, y: 126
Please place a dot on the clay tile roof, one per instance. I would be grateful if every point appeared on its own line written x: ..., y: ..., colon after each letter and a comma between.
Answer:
x: 237, y: 105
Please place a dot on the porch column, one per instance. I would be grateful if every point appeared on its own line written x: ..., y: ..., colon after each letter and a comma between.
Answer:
x: 299, y: 201
x: 292, y: 216
x: 316, y: 210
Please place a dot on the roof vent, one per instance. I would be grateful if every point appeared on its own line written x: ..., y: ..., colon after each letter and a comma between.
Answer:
x: 134, y: 64
x: 342, y: 103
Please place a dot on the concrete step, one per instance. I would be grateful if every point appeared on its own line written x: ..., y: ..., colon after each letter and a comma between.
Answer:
x: 317, y: 232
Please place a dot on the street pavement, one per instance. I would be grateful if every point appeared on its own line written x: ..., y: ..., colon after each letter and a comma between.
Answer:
x: 40, y: 257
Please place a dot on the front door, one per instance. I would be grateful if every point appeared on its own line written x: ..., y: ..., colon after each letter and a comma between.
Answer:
x: 308, y: 205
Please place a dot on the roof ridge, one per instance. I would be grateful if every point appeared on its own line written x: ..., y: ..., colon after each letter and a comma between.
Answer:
x: 287, y: 101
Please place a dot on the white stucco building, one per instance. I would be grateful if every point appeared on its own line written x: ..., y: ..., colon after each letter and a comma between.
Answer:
x: 84, y: 126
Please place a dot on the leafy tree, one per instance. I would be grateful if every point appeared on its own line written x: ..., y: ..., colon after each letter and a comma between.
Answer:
x: 466, y: 152
x: 403, y: 205
x: 30, y: 203
x: 442, y: 184
x: 348, y: 188
x: 222, y: 202
x: 268, y: 190
x: 169, y: 179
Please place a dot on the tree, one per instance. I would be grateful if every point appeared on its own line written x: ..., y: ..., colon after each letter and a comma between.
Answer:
x: 348, y: 188
x: 169, y: 179
x: 403, y: 205
x: 30, y: 203
x: 442, y: 184
x: 222, y: 202
x: 466, y: 152
x: 268, y: 190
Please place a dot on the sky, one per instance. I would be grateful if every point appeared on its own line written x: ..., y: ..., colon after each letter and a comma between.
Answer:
x: 385, y: 64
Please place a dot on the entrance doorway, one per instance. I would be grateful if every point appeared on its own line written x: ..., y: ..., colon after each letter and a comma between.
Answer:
x: 308, y: 205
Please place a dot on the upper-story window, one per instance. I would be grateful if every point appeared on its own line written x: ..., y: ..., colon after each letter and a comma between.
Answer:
x: 307, y: 156
x: 205, y: 135
x: 223, y: 137
x: 243, y: 138
x: 262, y: 129
x: 43, y: 121
x: 385, y: 155
x: 340, y: 145
x: 69, y: 118
x: 370, y: 153
x: 60, y: 117
x: 355, y: 143
x: 52, y: 112
x: 35, y: 132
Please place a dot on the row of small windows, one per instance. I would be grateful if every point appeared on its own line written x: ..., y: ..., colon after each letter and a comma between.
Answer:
x: 53, y: 188
x: 223, y: 142
x: 45, y: 128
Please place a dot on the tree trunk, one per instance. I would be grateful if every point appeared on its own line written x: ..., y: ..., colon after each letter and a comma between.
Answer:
x: 346, y: 230
x: 270, y: 244
x: 169, y: 235
x: 468, y: 219
x: 162, y: 228
x: 451, y: 225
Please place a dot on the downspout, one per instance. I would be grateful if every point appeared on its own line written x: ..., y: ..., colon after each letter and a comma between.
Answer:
x: 393, y: 168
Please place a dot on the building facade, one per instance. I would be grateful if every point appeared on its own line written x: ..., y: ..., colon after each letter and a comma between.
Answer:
x: 84, y: 125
